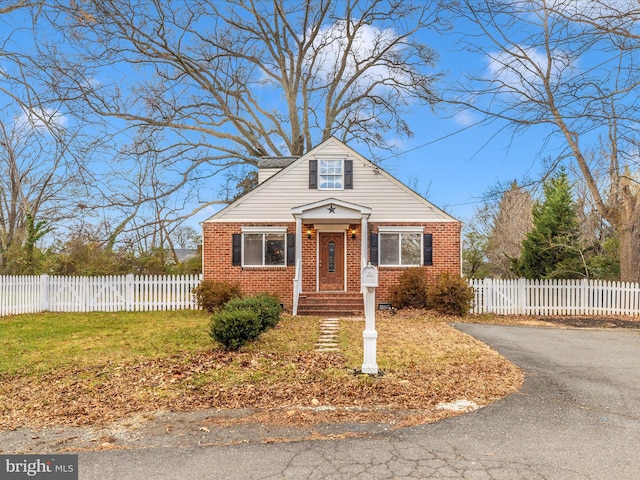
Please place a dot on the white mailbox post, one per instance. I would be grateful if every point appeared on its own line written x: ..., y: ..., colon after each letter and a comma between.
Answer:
x: 369, y: 282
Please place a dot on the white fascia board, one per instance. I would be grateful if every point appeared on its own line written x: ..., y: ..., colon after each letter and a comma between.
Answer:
x: 392, y: 229
x: 265, y: 229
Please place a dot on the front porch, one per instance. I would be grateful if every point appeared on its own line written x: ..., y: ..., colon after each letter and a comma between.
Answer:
x: 331, y: 251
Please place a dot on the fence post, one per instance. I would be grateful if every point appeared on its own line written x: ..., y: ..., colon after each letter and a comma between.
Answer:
x: 488, y: 295
x: 44, y: 292
x: 129, y: 292
x: 522, y: 296
x: 86, y: 305
x: 585, y: 308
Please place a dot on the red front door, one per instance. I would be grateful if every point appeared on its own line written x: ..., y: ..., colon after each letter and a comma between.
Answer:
x: 331, y: 258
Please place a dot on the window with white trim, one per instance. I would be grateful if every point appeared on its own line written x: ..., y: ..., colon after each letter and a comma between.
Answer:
x: 400, y: 248
x: 264, y: 249
x: 330, y: 175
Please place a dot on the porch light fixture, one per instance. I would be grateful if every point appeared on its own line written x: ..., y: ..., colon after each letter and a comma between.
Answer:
x: 353, y: 233
x: 309, y: 234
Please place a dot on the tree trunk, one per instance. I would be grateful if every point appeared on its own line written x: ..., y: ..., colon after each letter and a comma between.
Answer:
x: 629, y: 235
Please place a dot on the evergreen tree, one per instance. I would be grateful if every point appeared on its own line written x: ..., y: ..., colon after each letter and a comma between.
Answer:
x: 552, y: 248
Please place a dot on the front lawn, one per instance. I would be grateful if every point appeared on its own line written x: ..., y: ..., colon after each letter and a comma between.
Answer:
x: 79, y: 369
x: 35, y: 344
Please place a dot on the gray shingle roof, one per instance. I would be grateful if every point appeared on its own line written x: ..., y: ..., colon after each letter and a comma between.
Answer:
x: 275, y: 162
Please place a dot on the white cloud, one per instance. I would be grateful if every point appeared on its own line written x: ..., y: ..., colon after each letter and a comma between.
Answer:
x: 92, y: 83
x: 595, y: 9
x: 41, y: 118
x: 466, y: 118
x: 330, y: 48
x: 522, y: 69
x: 619, y: 14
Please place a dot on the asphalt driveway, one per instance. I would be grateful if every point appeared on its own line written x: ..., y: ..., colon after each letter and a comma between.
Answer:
x: 576, y: 417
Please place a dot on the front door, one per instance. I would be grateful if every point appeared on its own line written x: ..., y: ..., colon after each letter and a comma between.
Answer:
x: 331, y: 258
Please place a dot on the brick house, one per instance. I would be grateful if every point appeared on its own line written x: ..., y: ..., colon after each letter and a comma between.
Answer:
x: 311, y: 225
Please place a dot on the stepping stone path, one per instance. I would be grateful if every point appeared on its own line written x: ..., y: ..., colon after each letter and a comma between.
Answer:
x: 328, y: 341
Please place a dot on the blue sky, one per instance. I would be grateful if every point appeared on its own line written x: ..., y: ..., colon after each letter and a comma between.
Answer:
x: 453, y: 159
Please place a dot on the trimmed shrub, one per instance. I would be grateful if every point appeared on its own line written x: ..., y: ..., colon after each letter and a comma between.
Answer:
x: 411, y: 291
x: 265, y: 305
x: 212, y: 296
x: 235, y: 328
x: 451, y: 295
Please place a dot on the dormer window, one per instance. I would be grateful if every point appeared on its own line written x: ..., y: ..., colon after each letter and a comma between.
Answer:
x: 331, y: 175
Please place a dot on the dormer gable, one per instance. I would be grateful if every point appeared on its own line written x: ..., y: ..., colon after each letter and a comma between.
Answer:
x: 332, y: 170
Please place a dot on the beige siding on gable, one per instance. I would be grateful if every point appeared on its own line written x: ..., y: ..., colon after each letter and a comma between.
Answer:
x: 389, y: 200
x: 266, y: 173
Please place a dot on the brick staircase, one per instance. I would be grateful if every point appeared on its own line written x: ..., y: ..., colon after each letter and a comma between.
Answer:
x: 331, y: 304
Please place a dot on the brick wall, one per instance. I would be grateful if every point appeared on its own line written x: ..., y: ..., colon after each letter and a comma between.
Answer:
x: 217, y: 265
x: 446, y: 255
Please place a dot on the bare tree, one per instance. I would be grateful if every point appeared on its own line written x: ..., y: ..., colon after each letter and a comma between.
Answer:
x: 569, y: 67
x: 8, y: 7
x: 42, y: 151
x: 37, y: 180
x: 218, y: 84
x: 186, y: 237
x: 509, y: 224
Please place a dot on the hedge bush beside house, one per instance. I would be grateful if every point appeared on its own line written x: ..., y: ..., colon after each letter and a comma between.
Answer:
x: 242, y: 320
x: 411, y: 290
x: 213, y: 296
x: 450, y: 295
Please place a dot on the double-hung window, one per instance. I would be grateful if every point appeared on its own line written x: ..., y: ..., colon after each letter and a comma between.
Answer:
x: 400, y: 247
x: 264, y: 247
x: 331, y: 175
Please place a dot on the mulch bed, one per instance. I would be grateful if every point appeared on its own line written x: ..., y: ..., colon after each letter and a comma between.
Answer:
x: 592, y: 322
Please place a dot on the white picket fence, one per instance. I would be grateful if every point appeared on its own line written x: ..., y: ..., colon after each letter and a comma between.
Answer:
x: 556, y: 297
x: 32, y: 294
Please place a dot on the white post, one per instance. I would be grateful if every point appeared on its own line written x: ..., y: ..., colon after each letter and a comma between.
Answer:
x: 369, y: 282
x: 364, y: 240
x: 129, y: 293
x: 44, y: 292
x: 522, y: 296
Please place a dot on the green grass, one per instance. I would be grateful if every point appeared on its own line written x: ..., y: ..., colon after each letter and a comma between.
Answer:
x: 39, y: 343
x: 83, y: 368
